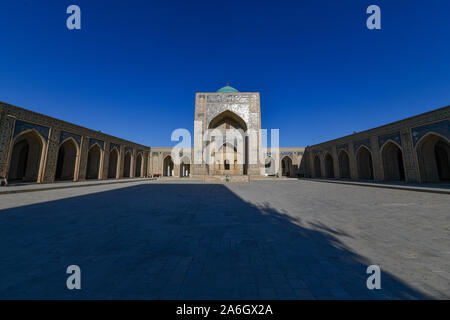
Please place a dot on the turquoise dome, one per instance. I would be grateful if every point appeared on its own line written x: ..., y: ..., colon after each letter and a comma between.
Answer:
x: 227, y: 89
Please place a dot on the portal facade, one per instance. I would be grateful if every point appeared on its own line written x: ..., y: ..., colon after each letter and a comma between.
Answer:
x: 217, y: 113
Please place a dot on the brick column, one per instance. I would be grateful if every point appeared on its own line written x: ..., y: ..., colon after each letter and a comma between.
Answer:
x: 121, y: 161
x: 337, y: 171
x: 6, y: 131
x: 105, y: 160
x: 51, y: 156
x: 412, y: 172
x: 353, y: 163
x: 378, y: 174
x: 83, y: 158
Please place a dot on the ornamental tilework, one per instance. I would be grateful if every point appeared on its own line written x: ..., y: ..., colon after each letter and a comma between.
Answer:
x: 364, y: 142
x: 441, y: 127
x: 128, y: 149
x: 114, y: 145
x: 392, y: 136
x: 64, y: 135
x: 286, y: 153
x: 21, y: 126
x: 93, y: 141
x: 343, y: 146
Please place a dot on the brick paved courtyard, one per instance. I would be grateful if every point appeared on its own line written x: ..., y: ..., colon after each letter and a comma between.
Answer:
x: 189, y: 240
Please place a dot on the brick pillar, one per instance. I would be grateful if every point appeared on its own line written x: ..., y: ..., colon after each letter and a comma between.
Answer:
x: 83, y: 158
x: 6, y: 131
x: 133, y: 164
x: 105, y: 160
x: 353, y: 163
x: 121, y: 161
x: 377, y: 161
x: 412, y: 172
x: 51, y: 157
x: 337, y: 171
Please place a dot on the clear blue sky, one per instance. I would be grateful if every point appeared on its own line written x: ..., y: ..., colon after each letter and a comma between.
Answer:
x: 133, y: 69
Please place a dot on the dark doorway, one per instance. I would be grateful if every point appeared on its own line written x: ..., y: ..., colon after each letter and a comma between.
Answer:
x: 93, y: 162
x: 365, y: 166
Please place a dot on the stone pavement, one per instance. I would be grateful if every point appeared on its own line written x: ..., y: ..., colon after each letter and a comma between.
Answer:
x: 443, y: 188
x: 29, y: 187
x: 181, y: 239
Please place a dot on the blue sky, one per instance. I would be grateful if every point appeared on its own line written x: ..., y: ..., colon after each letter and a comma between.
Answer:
x: 133, y: 69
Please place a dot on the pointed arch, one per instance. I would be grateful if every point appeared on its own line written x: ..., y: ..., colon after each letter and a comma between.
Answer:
x: 67, y: 160
x: 168, y: 166
x: 329, y: 165
x: 139, y: 165
x: 26, y: 160
x: 392, y: 161
x: 286, y: 166
x: 230, y: 118
x: 113, y: 164
x: 94, y: 162
x: 433, y: 154
x: 127, y: 164
x: 344, y: 164
x: 364, y: 163
x: 185, y: 167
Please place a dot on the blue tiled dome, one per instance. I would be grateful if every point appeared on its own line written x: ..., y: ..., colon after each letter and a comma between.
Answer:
x: 227, y: 89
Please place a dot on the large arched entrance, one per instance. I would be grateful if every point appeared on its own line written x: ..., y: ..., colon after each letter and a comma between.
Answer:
x: 365, y: 164
x: 168, y: 167
x: 139, y: 163
x: 286, y: 166
x: 329, y: 167
x: 93, y: 162
x: 433, y: 153
x: 67, y: 159
x: 228, y: 156
x: 26, y: 157
x: 344, y: 165
x: 112, y: 164
x: 317, y: 169
x: 392, y: 162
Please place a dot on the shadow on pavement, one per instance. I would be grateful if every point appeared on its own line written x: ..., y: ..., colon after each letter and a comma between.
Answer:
x: 177, y: 241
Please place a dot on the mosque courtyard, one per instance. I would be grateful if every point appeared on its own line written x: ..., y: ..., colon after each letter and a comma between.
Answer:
x: 186, y: 239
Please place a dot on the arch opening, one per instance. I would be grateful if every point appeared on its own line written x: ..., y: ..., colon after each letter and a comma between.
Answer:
x: 26, y: 158
x: 344, y: 165
x: 286, y: 166
x: 138, y: 169
x: 127, y: 165
x: 227, y: 162
x: 329, y: 167
x: 67, y: 158
x: 365, y: 164
x: 93, y: 162
x: 168, y: 167
x: 393, y: 167
x: 185, y: 169
x: 112, y: 164
x: 433, y: 153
